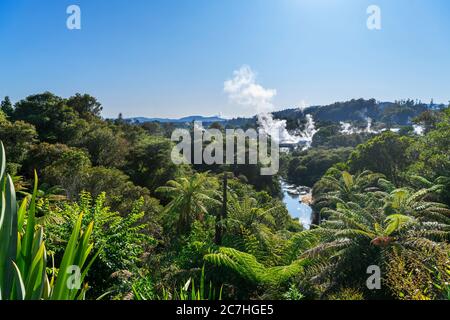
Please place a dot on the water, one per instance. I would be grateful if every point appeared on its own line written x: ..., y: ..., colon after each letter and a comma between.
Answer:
x: 296, y: 208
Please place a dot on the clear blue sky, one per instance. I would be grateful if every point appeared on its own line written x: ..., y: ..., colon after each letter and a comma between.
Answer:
x: 171, y: 57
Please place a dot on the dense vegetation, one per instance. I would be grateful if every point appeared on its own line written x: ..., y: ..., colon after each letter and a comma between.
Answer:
x: 392, y: 113
x: 110, y: 201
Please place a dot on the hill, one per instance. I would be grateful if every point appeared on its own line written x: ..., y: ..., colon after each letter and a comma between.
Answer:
x: 181, y: 120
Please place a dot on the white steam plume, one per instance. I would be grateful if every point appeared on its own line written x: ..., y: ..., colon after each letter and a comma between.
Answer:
x: 243, y: 90
x: 308, y: 134
x: 419, y: 130
x: 347, y: 128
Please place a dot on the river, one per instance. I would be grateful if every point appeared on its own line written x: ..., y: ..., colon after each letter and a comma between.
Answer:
x: 296, y: 208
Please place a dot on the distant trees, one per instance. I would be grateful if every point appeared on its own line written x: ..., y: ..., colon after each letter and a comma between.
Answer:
x: 42, y: 155
x: 7, y: 107
x: 216, y: 125
x: 74, y: 126
x: 330, y: 136
x: 72, y: 147
x: 18, y: 136
x: 432, y: 150
x: 105, y: 147
x: 149, y: 163
x: 53, y: 119
x: 121, y: 191
x: 153, y: 128
x: 68, y: 171
x: 57, y: 119
x: 385, y: 153
x: 305, y: 168
x: 429, y: 119
x: 431, y: 153
x: 85, y: 105
x: 402, y: 112
x: 390, y: 113
x: 352, y: 110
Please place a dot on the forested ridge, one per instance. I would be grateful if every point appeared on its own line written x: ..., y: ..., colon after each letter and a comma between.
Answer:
x: 104, y: 195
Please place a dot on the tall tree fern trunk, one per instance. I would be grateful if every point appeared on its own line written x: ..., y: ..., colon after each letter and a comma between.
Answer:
x: 223, y: 213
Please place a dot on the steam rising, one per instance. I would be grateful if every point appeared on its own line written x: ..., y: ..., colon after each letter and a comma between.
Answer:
x: 347, y: 128
x: 243, y: 90
x: 419, y: 130
x: 308, y: 134
x: 273, y: 127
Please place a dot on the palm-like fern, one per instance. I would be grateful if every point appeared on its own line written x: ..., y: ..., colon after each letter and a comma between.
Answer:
x: 191, y: 198
x: 250, y: 269
x: 252, y: 228
x: 340, y: 187
x: 366, y: 232
x: 416, y: 204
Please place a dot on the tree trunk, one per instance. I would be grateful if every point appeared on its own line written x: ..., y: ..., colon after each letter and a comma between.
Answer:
x: 221, y: 216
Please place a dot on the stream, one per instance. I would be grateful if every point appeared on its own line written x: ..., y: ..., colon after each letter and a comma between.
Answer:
x: 292, y: 195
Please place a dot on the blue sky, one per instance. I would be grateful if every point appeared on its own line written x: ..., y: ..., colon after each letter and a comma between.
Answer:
x: 171, y: 58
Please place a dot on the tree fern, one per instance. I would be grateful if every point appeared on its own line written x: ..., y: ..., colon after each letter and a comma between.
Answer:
x: 191, y: 197
x: 250, y: 269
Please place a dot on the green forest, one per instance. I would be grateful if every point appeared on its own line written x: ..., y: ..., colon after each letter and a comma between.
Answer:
x: 102, y: 199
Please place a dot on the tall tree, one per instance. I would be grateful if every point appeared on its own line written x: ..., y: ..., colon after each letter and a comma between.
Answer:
x: 7, y: 107
x: 53, y: 119
x: 87, y: 106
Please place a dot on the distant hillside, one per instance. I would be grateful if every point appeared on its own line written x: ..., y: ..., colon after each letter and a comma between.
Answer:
x: 393, y: 113
x: 181, y: 120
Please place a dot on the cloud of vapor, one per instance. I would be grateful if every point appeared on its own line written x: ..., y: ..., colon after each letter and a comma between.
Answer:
x: 244, y: 90
x: 347, y: 128
x: 303, y: 105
